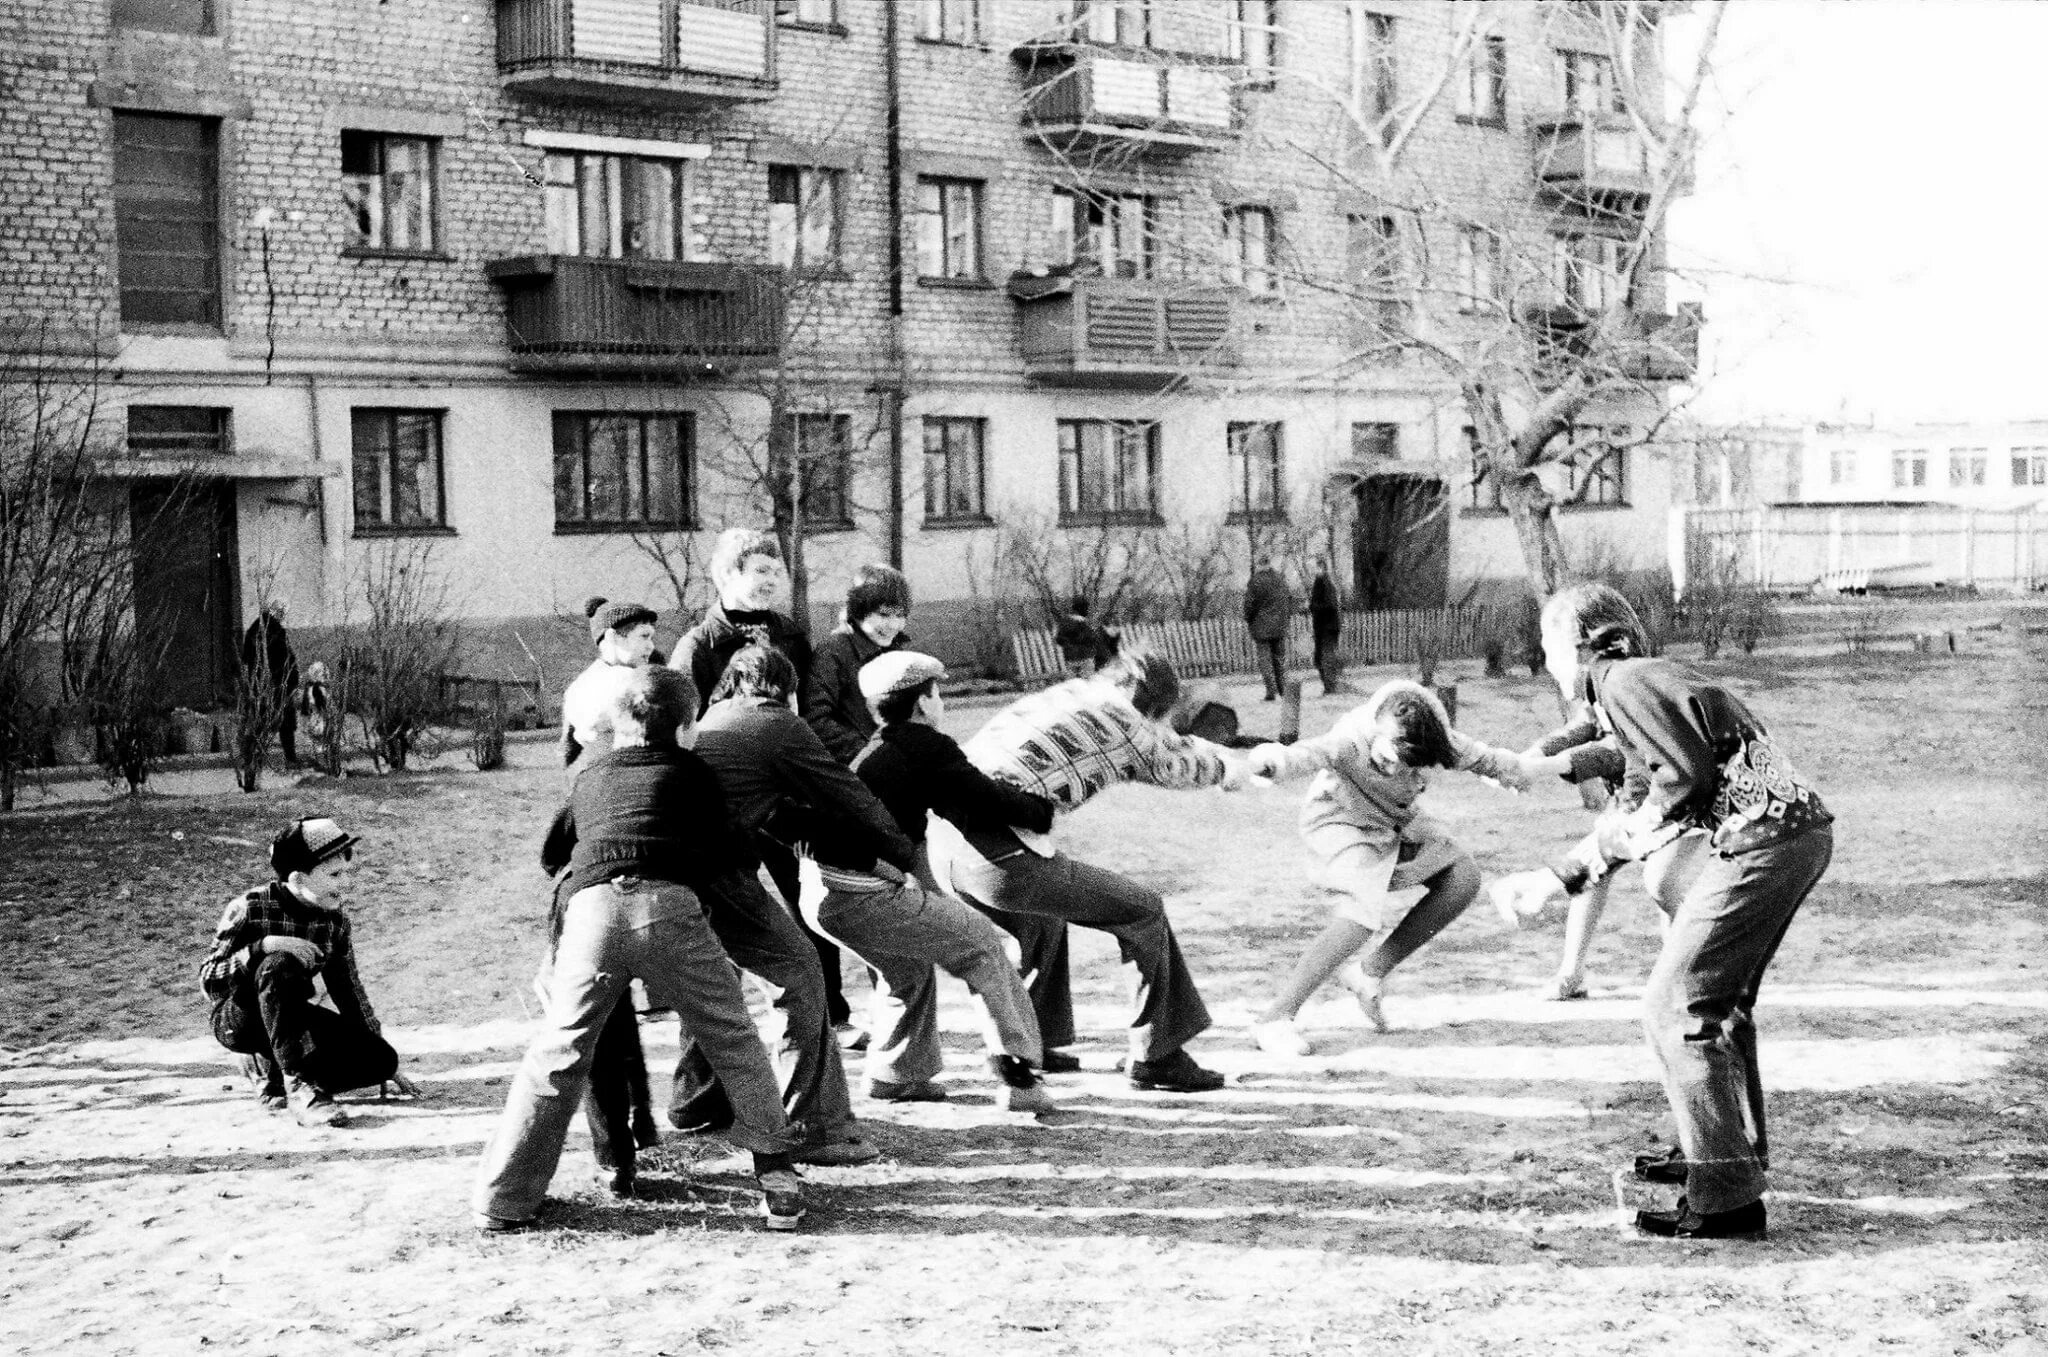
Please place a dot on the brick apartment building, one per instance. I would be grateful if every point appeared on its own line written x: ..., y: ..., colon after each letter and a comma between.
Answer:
x: 526, y: 280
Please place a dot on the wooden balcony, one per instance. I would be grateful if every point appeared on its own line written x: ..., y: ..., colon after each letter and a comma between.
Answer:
x: 1121, y: 332
x: 568, y: 314
x: 1595, y: 160
x: 1081, y: 100
x: 1653, y: 346
x: 688, y: 54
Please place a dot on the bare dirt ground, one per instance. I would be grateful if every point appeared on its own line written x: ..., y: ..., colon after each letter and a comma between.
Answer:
x: 1448, y: 1187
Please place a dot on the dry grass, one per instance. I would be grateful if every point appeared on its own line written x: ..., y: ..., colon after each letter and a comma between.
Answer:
x: 1445, y: 1188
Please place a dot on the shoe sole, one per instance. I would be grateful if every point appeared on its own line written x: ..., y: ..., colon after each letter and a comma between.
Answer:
x: 835, y: 1155
x: 1160, y: 1086
x: 780, y: 1222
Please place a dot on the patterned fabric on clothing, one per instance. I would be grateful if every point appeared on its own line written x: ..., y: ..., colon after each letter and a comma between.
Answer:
x: 274, y: 911
x: 1069, y: 742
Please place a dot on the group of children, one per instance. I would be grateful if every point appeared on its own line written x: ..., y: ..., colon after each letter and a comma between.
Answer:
x: 752, y: 804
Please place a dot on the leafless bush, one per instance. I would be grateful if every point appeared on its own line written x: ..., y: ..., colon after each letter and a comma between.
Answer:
x: 398, y: 643
x: 1865, y: 622
x: 120, y: 675
x: 1106, y: 563
x: 992, y: 612
x: 1189, y: 566
x: 258, y: 714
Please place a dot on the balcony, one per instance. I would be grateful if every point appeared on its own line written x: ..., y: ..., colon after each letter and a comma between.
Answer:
x: 674, y: 54
x: 1591, y: 159
x: 569, y: 314
x: 1080, y: 101
x: 1651, y: 346
x: 1121, y: 332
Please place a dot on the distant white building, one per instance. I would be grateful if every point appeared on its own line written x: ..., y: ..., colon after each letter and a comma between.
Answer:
x: 1965, y: 465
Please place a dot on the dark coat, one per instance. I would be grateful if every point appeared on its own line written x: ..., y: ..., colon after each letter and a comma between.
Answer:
x: 1325, y: 609
x: 705, y: 649
x: 1268, y: 605
x: 831, y: 700
x: 267, y: 655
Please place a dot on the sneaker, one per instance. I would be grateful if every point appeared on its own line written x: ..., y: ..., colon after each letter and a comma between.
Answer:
x: 1177, y: 1073
x: 1682, y: 1222
x: 912, y: 1091
x: 832, y: 1154
x: 1567, y: 987
x: 782, y: 1198
x: 623, y: 1183
x: 1022, y: 1090
x: 1366, y: 990
x: 500, y: 1224
x: 312, y: 1106
x: 264, y: 1080
x: 1060, y: 1062
x: 1280, y: 1037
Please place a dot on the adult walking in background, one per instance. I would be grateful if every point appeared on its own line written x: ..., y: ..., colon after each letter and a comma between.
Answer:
x: 271, y: 670
x: 1326, y: 625
x: 1268, y: 608
x: 1709, y: 764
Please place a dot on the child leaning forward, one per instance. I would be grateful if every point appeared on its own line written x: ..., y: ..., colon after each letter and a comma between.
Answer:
x: 1393, y: 867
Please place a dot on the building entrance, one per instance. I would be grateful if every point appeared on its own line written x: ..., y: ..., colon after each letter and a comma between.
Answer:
x: 1401, y: 544
x: 185, y: 586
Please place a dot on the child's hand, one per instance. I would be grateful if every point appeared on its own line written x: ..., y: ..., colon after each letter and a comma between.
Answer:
x: 1523, y: 898
x: 305, y: 953
x: 1264, y: 760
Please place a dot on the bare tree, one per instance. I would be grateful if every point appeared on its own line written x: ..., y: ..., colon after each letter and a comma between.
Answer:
x: 397, y: 644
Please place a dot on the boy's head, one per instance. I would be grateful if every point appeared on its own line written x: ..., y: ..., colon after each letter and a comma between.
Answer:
x: 656, y: 705
x: 1409, y: 730
x: 878, y: 603
x: 623, y: 632
x: 757, y: 671
x: 747, y: 570
x: 311, y: 850
x: 1146, y: 677
x: 897, y: 684
x: 1588, y: 622
x: 1078, y: 605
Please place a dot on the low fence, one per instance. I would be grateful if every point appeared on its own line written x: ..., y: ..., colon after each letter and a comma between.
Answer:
x: 1840, y: 547
x: 1223, y: 645
x: 464, y: 695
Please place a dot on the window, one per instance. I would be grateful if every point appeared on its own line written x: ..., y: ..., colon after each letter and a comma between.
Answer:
x: 1373, y: 252
x: 1485, y: 484
x: 1376, y: 442
x: 1109, y: 469
x: 949, y: 21
x: 615, y: 207
x: 1257, y: 490
x: 1251, y: 243
x: 1966, y: 466
x: 387, y: 191
x: 948, y: 228
x: 1909, y: 468
x: 165, y: 16
x: 803, y: 216
x: 824, y: 456
x: 1375, y: 83
x: 1127, y: 22
x: 1478, y: 269
x: 1599, y: 465
x: 1252, y: 37
x: 953, y: 451
x: 167, y: 219
x: 1841, y: 467
x: 177, y: 431
x: 1481, y: 86
x: 624, y: 471
x: 1585, y: 83
x: 2030, y: 466
x: 396, y: 456
x: 808, y: 13
x: 1113, y: 235
x: 1586, y: 272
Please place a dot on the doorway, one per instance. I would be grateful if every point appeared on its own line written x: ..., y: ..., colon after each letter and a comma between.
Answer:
x: 1401, y: 544
x: 185, y: 585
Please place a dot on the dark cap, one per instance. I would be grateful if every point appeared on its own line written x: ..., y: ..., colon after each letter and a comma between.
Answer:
x: 307, y: 844
x: 608, y: 616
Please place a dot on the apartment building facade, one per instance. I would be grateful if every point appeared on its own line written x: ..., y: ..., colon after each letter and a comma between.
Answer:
x: 536, y: 284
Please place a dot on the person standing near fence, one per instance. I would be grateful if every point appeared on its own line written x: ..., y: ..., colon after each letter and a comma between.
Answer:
x: 1268, y: 610
x: 1326, y: 625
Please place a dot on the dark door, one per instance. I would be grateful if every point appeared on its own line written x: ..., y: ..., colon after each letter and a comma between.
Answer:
x: 1401, y: 548
x: 185, y: 572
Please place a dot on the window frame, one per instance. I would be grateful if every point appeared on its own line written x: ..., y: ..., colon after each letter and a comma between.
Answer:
x: 801, y: 447
x: 1261, y: 58
x: 210, y: 444
x: 1842, y: 466
x: 1570, y: 83
x: 1375, y: 63
x: 1259, y: 278
x: 1376, y: 257
x: 579, y: 426
x: 968, y: 17
x: 1909, y: 468
x: 938, y: 227
x: 203, y: 224
x: 125, y: 16
x: 792, y: 14
x: 1479, y: 270
x: 1485, y: 485
x: 940, y: 462
x: 1968, y: 468
x: 1114, y: 435
x: 1079, y: 214
x: 612, y: 185
x: 1486, y: 63
x: 384, y: 524
x: 1608, y: 474
x: 430, y: 214
x: 809, y: 179
x: 2029, y: 466
x: 1578, y: 271
x: 1240, y: 437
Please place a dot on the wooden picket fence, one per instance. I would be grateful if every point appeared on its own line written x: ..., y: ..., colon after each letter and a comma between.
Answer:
x: 1222, y: 645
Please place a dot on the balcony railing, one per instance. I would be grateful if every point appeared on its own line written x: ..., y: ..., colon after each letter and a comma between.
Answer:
x: 1121, y: 332
x: 566, y: 313
x: 1079, y: 99
x: 1651, y: 346
x: 1593, y: 158
x: 661, y: 53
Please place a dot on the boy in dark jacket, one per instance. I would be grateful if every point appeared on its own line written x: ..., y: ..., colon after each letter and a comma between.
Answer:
x: 753, y: 589
x: 877, y: 608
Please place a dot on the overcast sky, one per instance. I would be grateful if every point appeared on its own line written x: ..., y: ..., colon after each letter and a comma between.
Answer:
x: 1869, y: 214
